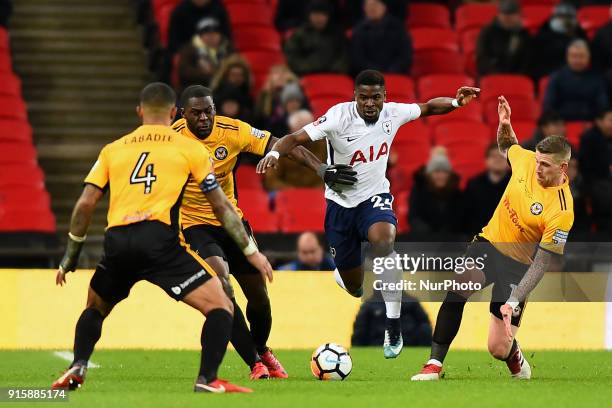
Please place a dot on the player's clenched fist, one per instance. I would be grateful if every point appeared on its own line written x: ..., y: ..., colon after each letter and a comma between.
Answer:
x: 465, y: 94
x: 259, y: 261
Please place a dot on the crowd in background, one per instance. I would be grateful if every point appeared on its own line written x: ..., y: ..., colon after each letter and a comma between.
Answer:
x: 335, y: 36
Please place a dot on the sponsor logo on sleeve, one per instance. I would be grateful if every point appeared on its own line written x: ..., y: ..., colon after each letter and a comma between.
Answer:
x: 319, y: 121
x: 560, y: 237
x: 260, y: 134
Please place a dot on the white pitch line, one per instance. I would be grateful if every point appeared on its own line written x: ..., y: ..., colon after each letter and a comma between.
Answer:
x: 68, y: 356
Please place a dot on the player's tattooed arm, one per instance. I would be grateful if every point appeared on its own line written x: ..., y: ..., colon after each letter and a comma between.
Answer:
x: 299, y: 154
x: 505, y: 134
x: 440, y: 106
x: 533, y: 275
x: 282, y: 148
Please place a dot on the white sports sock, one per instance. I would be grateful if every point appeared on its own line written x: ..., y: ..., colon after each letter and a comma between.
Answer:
x: 339, y: 279
x: 393, y: 298
x: 434, y: 362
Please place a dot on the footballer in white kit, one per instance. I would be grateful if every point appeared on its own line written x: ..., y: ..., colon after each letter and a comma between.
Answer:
x: 359, y: 205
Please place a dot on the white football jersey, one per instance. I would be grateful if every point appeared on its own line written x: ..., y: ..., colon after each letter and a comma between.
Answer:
x: 350, y: 140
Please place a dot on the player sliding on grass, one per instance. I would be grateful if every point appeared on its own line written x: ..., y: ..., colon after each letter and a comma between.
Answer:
x: 534, y: 216
x: 226, y: 139
x: 359, y: 136
x: 146, y: 172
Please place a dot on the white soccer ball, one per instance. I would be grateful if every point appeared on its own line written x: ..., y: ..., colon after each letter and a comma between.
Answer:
x: 331, y: 362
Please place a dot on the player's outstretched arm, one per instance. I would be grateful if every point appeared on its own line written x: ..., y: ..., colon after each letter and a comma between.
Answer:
x: 282, y: 148
x: 79, y: 223
x: 299, y: 154
x: 440, y: 106
x: 505, y: 134
x: 225, y: 212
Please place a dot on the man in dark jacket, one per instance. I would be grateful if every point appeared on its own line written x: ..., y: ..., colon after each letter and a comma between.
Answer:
x: 576, y: 91
x: 596, y: 168
x: 187, y: 14
x: 549, y: 123
x: 380, y: 41
x: 602, y: 53
x: 317, y: 46
x: 484, y: 191
x: 553, y: 38
x: 505, y: 46
x: 369, y: 326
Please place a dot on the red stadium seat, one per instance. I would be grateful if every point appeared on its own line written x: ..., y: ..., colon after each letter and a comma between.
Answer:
x: 324, y: 85
x: 534, y: 16
x: 412, y: 144
x: 518, y: 89
x: 12, y: 107
x: 11, y: 84
x: 25, y: 219
x: 401, y: 206
x: 244, y: 14
x: 432, y: 86
x: 593, y: 17
x: 573, y: 131
x: 257, y: 38
x: 400, y: 88
x: 301, y: 209
x: 447, y: 133
x: 321, y: 105
x: 522, y: 128
x: 428, y: 15
x: 434, y: 38
x: 261, y: 62
x: 469, y: 16
x: 255, y: 205
x: 21, y: 175
x: 469, y: 40
x: 163, y: 22
x: 248, y: 179
x: 525, y: 3
x: 431, y: 61
x: 469, y: 113
x: 17, y: 153
x: 542, y: 85
x: 24, y: 196
x: 6, y: 64
x: 523, y: 108
x: 13, y: 130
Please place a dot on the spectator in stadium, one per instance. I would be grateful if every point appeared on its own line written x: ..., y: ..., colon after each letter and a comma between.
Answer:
x: 287, y: 174
x: 199, y: 60
x: 553, y: 38
x: 549, y: 123
x: 483, y: 191
x: 310, y: 256
x: 596, y: 168
x: 187, y: 14
x: 291, y: 100
x: 353, y: 10
x: 505, y: 46
x: 291, y: 14
x: 576, y: 91
x: 269, y: 99
x: 230, y: 102
x: 233, y: 82
x: 435, y: 209
x: 318, y: 45
x: 602, y: 53
x: 380, y: 41
x: 369, y: 328
x: 582, y: 219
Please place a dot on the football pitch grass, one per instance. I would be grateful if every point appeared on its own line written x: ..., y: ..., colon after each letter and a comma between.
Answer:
x: 155, y: 378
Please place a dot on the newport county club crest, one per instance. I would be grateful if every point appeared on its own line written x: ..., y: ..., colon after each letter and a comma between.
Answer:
x: 536, y: 208
x: 220, y: 153
x: 386, y: 125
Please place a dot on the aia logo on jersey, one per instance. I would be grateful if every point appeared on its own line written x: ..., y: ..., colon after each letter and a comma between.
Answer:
x: 386, y: 125
x: 220, y: 153
x: 319, y: 121
x: 360, y: 157
x: 536, y: 208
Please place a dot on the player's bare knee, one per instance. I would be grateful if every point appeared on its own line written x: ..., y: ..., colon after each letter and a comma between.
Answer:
x: 94, y: 301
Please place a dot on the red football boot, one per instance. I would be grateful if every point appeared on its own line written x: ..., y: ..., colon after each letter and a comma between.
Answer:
x: 274, y: 366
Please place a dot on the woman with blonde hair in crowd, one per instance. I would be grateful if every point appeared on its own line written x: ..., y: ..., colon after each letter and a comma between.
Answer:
x: 269, y: 103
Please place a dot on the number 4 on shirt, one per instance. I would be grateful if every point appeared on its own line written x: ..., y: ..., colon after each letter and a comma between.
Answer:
x: 148, y: 178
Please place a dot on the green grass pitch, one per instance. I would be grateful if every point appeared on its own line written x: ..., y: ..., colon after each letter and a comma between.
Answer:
x: 141, y: 378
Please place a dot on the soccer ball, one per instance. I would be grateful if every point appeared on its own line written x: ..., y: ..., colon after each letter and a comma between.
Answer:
x: 331, y: 362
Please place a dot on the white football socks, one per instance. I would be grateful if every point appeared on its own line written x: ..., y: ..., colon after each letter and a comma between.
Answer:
x: 393, y: 298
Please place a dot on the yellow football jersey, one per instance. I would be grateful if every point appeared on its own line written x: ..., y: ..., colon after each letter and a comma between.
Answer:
x: 228, y: 139
x: 146, y: 172
x: 529, y: 214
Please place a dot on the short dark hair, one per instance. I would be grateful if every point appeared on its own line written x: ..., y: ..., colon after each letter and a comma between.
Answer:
x: 556, y: 145
x: 603, y: 112
x: 157, y: 95
x: 549, y: 117
x: 490, y: 148
x: 194, y: 91
x: 369, y: 77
